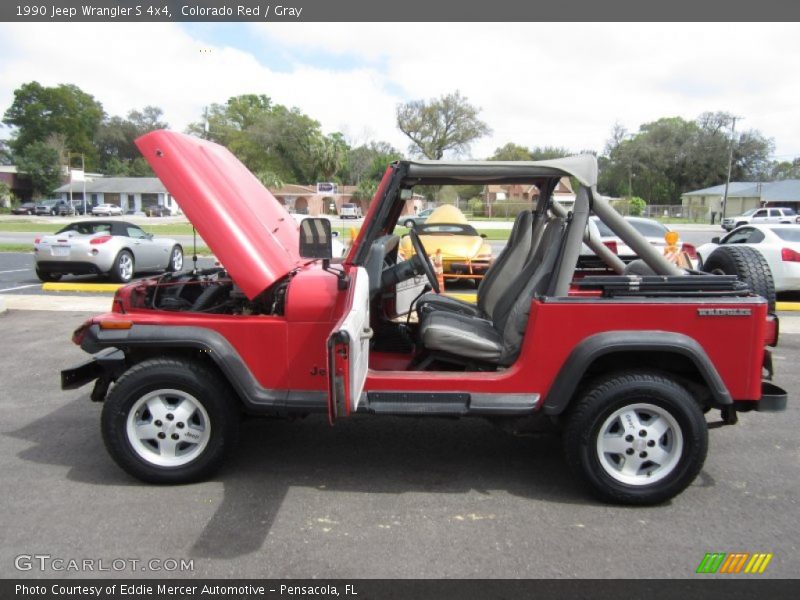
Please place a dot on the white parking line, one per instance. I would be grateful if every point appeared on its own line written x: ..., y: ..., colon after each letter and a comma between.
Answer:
x: 15, y: 271
x: 20, y: 287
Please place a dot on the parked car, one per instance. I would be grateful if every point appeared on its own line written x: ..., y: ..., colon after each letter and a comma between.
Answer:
x: 157, y: 211
x: 760, y: 216
x: 114, y: 248
x: 107, y: 210
x: 65, y: 208
x: 417, y: 219
x: 652, y: 230
x: 464, y: 251
x: 624, y: 368
x: 350, y: 210
x: 26, y: 208
x: 779, y: 244
x: 45, y: 207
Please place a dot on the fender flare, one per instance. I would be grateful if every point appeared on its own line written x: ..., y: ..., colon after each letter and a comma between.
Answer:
x: 257, y: 399
x: 610, y: 342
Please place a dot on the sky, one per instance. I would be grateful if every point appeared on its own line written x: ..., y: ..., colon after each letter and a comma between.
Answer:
x: 553, y: 84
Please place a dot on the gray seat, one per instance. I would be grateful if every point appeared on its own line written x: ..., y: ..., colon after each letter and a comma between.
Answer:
x: 499, y: 340
x: 497, y: 279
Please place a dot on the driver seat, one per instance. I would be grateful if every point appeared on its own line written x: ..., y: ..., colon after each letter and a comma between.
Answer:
x: 497, y: 280
x: 498, y: 341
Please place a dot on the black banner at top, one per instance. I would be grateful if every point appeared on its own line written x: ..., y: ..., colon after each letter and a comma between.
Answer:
x: 406, y: 10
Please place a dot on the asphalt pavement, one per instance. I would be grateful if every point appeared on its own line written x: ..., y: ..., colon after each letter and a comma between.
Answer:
x: 371, y: 496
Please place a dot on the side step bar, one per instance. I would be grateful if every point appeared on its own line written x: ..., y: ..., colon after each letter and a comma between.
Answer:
x: 449, y: 404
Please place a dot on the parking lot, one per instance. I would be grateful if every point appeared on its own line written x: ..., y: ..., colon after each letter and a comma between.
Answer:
x: 370, y: 497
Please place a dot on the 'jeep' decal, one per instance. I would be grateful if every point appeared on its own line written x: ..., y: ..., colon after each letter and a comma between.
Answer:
x: 724, y: 312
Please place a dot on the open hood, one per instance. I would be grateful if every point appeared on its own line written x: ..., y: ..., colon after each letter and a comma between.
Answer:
x: 249, y: 231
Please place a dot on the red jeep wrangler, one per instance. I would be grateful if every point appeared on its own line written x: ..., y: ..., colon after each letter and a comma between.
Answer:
x: 622, y: 360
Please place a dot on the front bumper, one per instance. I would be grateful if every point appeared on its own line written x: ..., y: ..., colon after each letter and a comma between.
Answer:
x: 466, y: 267
x: 106, y: 366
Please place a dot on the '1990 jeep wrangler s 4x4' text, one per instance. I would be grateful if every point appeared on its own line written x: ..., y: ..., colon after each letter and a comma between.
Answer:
x: 623, y: 360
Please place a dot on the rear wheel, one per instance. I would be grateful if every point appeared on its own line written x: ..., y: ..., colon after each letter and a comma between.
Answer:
x: 45, y: 276
x: 170, y: 421
x: 748, y: 264
x: 409, y: 224
x: 636, y: 438
x: 122, y: 270
x: 175, y: 259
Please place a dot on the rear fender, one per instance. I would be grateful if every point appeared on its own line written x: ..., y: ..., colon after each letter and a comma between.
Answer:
x: 585, y: 354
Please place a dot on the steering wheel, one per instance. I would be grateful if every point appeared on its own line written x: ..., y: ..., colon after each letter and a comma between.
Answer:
x: 422, y: 261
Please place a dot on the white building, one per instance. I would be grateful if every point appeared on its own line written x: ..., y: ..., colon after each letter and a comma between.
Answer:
x: 132, y: 194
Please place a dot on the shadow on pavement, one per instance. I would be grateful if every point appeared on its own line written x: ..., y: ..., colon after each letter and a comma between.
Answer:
x: 364, y: 455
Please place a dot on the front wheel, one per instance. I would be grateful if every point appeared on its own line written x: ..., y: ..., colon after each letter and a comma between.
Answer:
x: 170, y: 421
x: 636, y: 438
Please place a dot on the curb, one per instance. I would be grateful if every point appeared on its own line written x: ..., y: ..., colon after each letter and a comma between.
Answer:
x: 3, y: 307
x: 81, y: 287
x: 787, y: 306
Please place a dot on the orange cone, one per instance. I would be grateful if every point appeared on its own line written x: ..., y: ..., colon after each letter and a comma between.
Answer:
x: 438, y: 268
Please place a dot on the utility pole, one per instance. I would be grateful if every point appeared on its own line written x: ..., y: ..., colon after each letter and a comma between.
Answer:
x: 730, y: 164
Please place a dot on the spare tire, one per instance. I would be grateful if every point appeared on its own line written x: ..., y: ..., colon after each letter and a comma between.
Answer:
x: 748, y: 264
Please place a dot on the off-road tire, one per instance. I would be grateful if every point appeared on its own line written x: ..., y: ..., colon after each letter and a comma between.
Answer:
x: 45, y: 276
x: 116, y: 274
x: 601, y: 400
x: 183, y: 375
x: 748, y: 264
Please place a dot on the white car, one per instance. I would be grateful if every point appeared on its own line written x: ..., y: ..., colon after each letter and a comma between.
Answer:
x: 779, y: 244
x: 106, y: 210
x: 761, y: 216
x: 651, y: 229
x: 117, y: 249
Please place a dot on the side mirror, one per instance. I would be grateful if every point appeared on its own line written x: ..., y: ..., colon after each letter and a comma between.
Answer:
x: 483, y: 235
x: 316, y: 238
x: 715, y: 240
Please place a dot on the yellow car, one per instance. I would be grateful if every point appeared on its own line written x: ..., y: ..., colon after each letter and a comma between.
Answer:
x: 465, y: 253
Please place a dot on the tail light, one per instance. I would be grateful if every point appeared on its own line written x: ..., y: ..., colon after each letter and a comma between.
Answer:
x: 611, y: 245
x: 37, y: 240
x: 789, y: 255
x: 772, y: 331
x: 690, y: 250
x: 101, y: 239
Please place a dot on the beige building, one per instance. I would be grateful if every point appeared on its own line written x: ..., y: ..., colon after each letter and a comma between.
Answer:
x: 742, y: 196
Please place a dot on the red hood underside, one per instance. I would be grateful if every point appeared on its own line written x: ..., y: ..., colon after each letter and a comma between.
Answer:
x: 248, y: 230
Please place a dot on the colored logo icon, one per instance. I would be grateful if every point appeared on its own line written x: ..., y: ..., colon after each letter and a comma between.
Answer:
x: 734, y: 563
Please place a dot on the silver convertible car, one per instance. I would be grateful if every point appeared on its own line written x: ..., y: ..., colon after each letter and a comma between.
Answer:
x: 114, y: 248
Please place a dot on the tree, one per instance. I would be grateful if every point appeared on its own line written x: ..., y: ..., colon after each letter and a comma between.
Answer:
x: 448, y: 124
x: 42, y: 163
x: 116, y: 142
x: 786, y: 170
x: 672, y: 155
x: 636, y: 206
x: 330, y: 155
x: 511, y: 151
x: 369, y: 161
x: 39, y: 112
x: 266, y: 137
x: 5, y: 153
